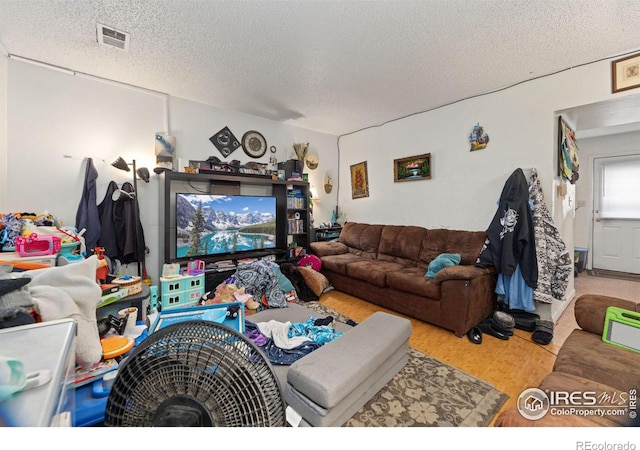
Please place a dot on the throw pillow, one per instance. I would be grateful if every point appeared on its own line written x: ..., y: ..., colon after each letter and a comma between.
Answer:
x: 315, y: 280
x: 311, y: 260
x: 292, y: 272
x: 442, y: 260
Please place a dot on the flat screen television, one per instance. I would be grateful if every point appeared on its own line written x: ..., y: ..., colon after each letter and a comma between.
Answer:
x: 218, y: 224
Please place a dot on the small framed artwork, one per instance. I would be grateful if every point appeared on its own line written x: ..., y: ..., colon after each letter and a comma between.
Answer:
x: 165, y: 148
x: 412, y: 168
x: 478, y: 138
x: 625, y: 73
x: 359, y: 180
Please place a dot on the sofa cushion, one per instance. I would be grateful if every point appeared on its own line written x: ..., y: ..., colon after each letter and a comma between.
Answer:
x: 401, y: 244
x: 374, y: 272
x: 362, y: 239
x: 338, y: 263
x: 467, y: 243
x: 325, y: 248
x: 582, y: 355
x: 412, y: 280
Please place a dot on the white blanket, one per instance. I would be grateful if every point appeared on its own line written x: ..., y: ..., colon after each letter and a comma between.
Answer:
x: 279, y: 332
x: 71, y: 291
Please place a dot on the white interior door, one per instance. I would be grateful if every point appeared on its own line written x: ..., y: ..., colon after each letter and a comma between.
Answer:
x: 616, y: 218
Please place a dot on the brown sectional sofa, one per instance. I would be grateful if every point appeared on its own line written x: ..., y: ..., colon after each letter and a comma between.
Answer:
x: 386, y: 265
x: 585, y: 363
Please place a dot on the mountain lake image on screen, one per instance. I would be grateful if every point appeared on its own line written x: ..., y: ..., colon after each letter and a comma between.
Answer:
x: 218, y: 224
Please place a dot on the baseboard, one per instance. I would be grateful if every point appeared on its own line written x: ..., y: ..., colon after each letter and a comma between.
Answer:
x: 563, y: 305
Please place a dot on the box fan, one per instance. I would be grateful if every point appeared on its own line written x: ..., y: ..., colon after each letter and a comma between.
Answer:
x: 195, y: 373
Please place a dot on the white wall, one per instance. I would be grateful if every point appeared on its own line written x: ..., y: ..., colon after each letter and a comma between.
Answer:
x: 56, y: 120
x: 590, y: 148
x: 194, y: 123
x: 53, y: 114
x: 3, y: 126
x: 462, y: 194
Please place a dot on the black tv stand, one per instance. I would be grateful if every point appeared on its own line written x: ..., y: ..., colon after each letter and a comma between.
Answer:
x: 292, y: 210
x: 214, y: 274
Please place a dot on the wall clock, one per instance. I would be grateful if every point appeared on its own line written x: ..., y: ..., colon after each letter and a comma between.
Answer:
x: 254, y: 144
x: 225, y: 141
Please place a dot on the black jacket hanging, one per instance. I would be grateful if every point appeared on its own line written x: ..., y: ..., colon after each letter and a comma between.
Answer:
x: 87, y: 216
x: 108, y: 238
x: 129, y: 232
x: 510, y: 237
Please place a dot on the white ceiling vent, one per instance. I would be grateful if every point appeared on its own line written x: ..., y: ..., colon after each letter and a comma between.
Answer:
x: 112, y: 38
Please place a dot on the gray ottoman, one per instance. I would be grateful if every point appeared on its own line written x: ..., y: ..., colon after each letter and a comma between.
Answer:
x: 329, y: 385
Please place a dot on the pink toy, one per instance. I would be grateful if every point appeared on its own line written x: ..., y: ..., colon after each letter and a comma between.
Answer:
x: 311, y: 260
x: 195, y: 267
x: 36, y: 245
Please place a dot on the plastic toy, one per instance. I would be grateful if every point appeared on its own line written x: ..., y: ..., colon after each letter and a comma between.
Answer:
x: 233, y: 311
x: 195, y: 267
x: 36, y: 245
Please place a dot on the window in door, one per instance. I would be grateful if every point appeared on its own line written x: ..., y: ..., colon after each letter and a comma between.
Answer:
x: 619, y: 187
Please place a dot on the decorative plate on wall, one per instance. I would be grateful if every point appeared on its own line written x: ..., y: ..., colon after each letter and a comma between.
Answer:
x: 254, y: 144
x: 225, y: 141
x: 312, y: 161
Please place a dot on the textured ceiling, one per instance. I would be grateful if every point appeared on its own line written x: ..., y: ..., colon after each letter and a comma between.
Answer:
x: 330, y: 66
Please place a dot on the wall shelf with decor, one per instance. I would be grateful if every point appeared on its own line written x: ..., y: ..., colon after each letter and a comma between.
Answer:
x: 289, y: 200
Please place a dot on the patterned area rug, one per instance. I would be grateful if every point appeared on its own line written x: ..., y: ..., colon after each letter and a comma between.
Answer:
x: 425, y: 393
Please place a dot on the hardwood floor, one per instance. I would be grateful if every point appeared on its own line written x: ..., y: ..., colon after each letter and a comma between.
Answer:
x: 510, y: 366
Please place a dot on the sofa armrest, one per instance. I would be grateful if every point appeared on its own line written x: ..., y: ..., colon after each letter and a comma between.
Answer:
x: 467, y: 296
x: 590, y: 310
x: 461, y: 273
x: 327, y: 248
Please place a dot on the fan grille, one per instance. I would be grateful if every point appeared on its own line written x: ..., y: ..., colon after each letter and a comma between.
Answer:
x: 196, y: 373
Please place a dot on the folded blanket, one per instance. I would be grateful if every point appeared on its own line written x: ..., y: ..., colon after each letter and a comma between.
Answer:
x: 71, y: 291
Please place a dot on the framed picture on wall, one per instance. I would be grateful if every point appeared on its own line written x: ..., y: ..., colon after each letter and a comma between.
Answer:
x: 625, y: 73
x: 412, y: 168
x: 359, y: 180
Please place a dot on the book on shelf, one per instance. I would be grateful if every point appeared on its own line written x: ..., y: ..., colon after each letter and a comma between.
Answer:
x: 222, y: 266
x: 295, y: 202
x: 295, y: 226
